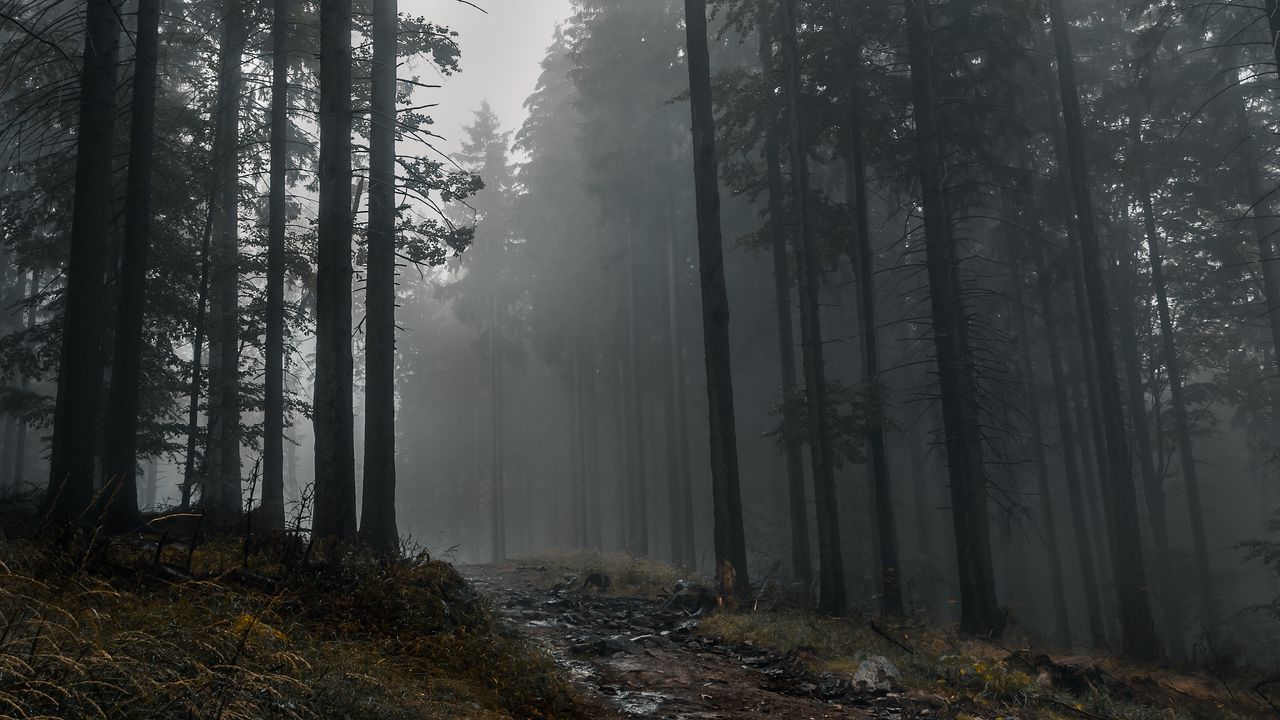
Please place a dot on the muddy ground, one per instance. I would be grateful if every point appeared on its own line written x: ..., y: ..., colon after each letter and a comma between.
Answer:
x: 635, y: 657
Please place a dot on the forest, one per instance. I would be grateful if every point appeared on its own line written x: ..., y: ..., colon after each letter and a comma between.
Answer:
x: 951, y: 319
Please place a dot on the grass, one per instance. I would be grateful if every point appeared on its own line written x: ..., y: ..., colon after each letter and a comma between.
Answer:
x: 629, y: 576
x: 981, y: 680
x: 109, y: 632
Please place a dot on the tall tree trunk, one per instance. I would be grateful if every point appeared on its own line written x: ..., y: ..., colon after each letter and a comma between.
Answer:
x: 578, y: 445
x: 831, y: 590
x: 220, y: 493
x: 1273, y: 24
x: 594, y: 518
x: 1089, y: 405
x: 497, y: 471
x: 730, y: 538
x: 863, y: 258
x: 638, y: 538
x: 1177, y: 397
x: 196, y: 386
x: 677, y: 471
x: 1152, y: 480
x: 378, y: 511
x: 273, y: 390
x: 980, y: 612
x: 1048, y: 517
x: 1067, y: 438
x: 17, y: 470
x: 19, y: 467
x: 1128, y: 565
x: 679, y: 397
x: 801, y: 554
x: 149, y: 489
x: 120, y: 459
x: 75, y: 417
x: 1262, y: 225
x: 334, y: 418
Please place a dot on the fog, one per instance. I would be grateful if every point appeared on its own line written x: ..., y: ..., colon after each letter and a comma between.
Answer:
x: 1046, y: 311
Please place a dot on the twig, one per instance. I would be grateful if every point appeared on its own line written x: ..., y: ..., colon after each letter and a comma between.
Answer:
x: 876, y: 628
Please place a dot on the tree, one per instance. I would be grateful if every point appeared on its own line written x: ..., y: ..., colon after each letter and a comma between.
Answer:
x: 730, y: 540
x: 273, y: 390
x: 220, y: 491
x: 120, y: 461
x: 862, y: 256
x: 831, y: 590
x: 334, y: 418
x: 801, y: 564
x: 378, y: 520
x: 980, y: 611
x: 1137, y: 627
x: 75, y: 421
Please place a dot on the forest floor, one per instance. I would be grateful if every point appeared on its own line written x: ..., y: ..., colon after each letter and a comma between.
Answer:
x: 638, y: 641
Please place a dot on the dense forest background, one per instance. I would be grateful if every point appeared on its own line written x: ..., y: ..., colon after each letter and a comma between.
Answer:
x: 1001, y: 280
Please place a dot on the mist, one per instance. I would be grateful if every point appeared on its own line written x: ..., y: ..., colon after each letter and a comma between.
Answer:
x: 960, y: 312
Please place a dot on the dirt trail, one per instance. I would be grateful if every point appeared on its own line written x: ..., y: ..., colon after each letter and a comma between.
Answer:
x: 635, y: 657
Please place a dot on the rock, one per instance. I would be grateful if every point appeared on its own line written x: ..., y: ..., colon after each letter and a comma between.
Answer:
x: 877, y: 674
x: 690, y: 598
x: 604, y: 647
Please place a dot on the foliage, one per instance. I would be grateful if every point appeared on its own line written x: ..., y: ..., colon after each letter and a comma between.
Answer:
x: 852, y: 411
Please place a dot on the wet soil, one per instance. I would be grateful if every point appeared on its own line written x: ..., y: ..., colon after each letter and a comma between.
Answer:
x: 640, y: 658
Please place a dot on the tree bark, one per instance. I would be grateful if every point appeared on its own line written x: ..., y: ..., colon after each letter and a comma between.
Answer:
x: 578, y: 445
x: 1262, y: 224
x: 831, y: 590
x: 801, y: 554
x: 220, y: 493
x: 1128, y: 565
x: 334, y: 418
x: 19, y: 467
x: 730, y: 538
x: 272, y: 512
x: 980, y: 612
x: 638, y: 537
x: 1067, y: 439
x: 189, y: 478
x: 863, y: 258
x: 595, y: 510
x: 75, y: 416
x: 679, y: 500
x: 1273, y: 24
x: 497, y: 471
x: 1048, y: 517
x: 378, y: 511
x: 1152, y: 480
x: 1177, y: 397
x: 120, y: 456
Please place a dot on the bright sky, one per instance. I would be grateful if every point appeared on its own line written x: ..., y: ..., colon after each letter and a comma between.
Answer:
x: 502, y: 50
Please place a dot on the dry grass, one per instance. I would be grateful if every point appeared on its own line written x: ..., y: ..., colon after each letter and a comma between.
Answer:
x: 122, y: 636
x: 983, y: 680
x: 629, y: 575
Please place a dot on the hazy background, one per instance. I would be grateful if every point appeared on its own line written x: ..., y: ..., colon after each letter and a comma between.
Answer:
x: 502, y: 51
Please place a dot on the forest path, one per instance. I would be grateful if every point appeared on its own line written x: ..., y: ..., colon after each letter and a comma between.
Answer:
x: 635, y: 657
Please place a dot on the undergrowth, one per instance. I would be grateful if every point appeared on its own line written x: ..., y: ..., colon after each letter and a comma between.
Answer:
x: 628, y: 575
x: 125, y: 631
x: 982, y: 680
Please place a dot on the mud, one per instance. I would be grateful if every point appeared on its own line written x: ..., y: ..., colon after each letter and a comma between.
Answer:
x: 641, y: 658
